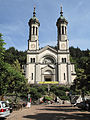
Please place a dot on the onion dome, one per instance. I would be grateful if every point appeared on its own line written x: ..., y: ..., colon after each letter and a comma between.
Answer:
x: 61, y: 19
x: 34, y: 20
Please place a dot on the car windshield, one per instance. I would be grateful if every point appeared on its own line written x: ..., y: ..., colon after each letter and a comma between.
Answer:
x: 4, y: 104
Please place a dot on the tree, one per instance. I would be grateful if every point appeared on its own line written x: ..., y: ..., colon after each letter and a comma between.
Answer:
x: 87, y: 71
x: 34, y: 93
x: 16, y: 65
x: 12, y: 55
x: 81, y: 83
x: 2, y: 50
x: 75, y: 52
x: 11, y: 78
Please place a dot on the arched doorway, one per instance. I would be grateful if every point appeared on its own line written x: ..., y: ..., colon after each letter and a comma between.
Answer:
x: 48, y: 75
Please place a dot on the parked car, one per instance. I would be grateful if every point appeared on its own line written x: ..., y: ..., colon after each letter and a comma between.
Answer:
x: 4, y: 109
x: 85, y: 105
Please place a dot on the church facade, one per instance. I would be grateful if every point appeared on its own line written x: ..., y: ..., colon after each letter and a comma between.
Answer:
x: 49, y: 65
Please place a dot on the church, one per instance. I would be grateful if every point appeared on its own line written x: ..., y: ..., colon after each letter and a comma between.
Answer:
x: 49, y: 65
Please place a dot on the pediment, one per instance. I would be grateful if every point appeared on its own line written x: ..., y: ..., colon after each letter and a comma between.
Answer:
x: 48, y: 48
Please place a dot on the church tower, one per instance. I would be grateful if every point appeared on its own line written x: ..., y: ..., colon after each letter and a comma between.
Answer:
x: 63, y: 57
x: 62, y: 32
x: 33, y: 42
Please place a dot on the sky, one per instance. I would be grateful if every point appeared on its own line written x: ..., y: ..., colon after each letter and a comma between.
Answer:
x: 15, y: 14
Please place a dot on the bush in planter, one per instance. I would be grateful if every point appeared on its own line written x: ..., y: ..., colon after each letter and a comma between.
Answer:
x: 60, y: 93
x: 64, y: 97
x: 47, y: 98
x: 34, y: 94
x: 53, y: 88
x: 42, y: 89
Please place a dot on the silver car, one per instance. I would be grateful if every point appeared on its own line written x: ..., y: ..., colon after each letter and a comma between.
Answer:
x: 4, y: 109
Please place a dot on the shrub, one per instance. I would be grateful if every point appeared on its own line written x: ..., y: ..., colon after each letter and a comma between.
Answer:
x: 53, y: 88
x: 42, y: 89
x: 64, y: 97
x: 34, y: 94
x: 47, y: 98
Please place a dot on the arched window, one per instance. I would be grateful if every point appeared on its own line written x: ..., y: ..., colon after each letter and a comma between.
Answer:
x: 36, y: 30
x: 32, y: 76
x: 62, y: 30
x: 65, y: 30
x: 64, y: 76
x: 33, y: 30
x: 31, y: 60
x: 63, y: 60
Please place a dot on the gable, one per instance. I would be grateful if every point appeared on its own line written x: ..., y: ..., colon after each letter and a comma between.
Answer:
x: 47, y: 48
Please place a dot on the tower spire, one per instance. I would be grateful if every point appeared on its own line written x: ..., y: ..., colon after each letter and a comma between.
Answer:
x: 34, y: 13
x: 61, y: 11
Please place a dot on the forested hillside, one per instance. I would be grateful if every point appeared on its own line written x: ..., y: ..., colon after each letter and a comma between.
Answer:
x: 80, y: 57
x: 13, y: 54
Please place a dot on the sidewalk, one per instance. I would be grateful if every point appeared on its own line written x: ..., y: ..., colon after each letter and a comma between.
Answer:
x: 50, y: 112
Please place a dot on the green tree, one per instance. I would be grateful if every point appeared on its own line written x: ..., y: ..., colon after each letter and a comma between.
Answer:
x: 80, y: 83
x: 16, y: 65
x: 2, y: 50
x: 87, y: 71
x: 11, y: 78
x: 12, y: 55
x: 34, y: 93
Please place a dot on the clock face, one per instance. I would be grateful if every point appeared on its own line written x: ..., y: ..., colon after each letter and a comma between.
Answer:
x: 32, y: 45
x: 62, y: 45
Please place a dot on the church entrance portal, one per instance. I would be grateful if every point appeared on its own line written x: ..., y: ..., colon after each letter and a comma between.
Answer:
x: 48, y: 75
x: 48, y: 78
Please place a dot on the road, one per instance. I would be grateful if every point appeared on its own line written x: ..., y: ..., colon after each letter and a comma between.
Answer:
x: 50, y: 112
